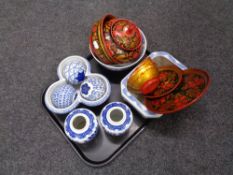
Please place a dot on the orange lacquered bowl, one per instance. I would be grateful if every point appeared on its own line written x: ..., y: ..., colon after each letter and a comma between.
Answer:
x: 145, y: 71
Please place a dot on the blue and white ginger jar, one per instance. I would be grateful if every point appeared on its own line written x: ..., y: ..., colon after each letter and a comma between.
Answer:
x: 81, y: 125
x: 116, y: 118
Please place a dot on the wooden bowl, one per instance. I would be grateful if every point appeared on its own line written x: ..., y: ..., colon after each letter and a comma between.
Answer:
x: 195, y: 83
x: 169, y: 78
x: 112, y: 50
x: 126, y: 34
x: 96, y: 45
x: 145, y: 71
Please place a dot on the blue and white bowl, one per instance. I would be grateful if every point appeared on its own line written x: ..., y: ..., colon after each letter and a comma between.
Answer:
x: 61, y: 97
x: 73, y: 69
x: 81, y: 125
x: 94, y: 90
x: 116, y: 118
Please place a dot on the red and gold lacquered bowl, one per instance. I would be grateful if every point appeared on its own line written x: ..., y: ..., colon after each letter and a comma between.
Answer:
x: 114, y: 51
x: 123, y: 48
x: 168, y: 79
x: 126, y: 34
x: 96, y: 46
x: 144, y: 72
x: 194, y: 84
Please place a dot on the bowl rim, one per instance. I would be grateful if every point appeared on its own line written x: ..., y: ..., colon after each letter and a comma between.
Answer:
x: 92, y: 47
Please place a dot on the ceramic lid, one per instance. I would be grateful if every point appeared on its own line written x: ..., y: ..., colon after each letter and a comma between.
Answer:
x: 126, y: 34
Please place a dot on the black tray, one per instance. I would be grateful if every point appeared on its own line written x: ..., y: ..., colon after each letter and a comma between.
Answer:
x: 103, y: 148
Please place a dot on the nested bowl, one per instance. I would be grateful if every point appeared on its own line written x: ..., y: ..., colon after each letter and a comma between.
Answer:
x: 111, y: 52
x: 144, y: 72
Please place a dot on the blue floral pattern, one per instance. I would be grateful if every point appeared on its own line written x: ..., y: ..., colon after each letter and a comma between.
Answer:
x: 85, y: 88
x: 81, y: 76
x: 87, y: 135
x: 124, y: 126
x: 75, y: 72
x: 96, y: 90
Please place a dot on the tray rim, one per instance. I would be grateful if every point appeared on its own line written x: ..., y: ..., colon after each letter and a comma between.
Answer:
x: 79, y: 152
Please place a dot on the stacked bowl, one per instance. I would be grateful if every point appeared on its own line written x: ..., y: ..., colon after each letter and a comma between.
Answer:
x: 117, y: 43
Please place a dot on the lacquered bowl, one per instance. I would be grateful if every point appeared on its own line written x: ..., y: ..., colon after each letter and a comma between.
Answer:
x: 145, y: 71
x: 124, y: 66
x: 115, y: 46
x: 126, y: 34
x: 108, y: 53
x: 96, y: 46
x: 195, y: 83
x: 169, y: 78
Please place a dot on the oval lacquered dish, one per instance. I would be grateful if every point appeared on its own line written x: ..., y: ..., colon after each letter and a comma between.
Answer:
x: 169, y: 78
x: 195, y: 83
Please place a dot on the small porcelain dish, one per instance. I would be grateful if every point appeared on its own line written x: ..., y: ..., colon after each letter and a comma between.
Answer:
x: 81, y: 125
x: 94, y: 90
x: 116, y: 118
x: 59, y: 99
x: 73, y: 68
x: 76, y: 85
x: 63, y: 96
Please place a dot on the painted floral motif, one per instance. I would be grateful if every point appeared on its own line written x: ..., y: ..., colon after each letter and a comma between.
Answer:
x: 96, y: 47
x: 93, y: 88
x: 75, y: 72
x: 117, y: 54
x: 88, y: 134
x: 85, y: 88
x: 81, y: 76
x: 116, y: 129
x: 169, y: 78
x: 126, y: 34
x: 191, y: 88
